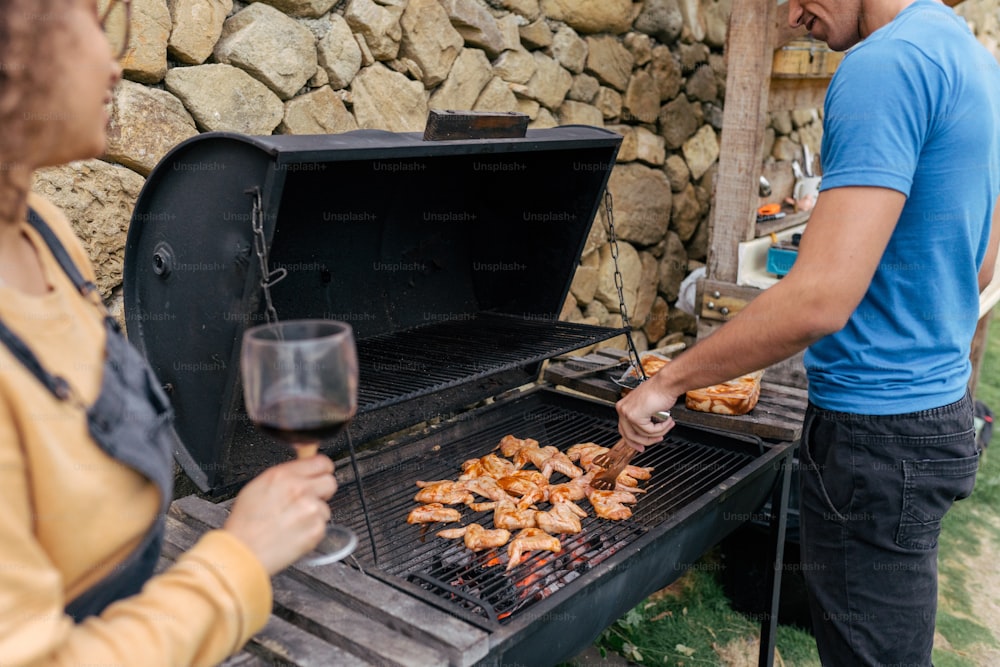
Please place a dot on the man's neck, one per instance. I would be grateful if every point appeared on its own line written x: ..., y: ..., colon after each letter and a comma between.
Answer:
x: 876, y: 14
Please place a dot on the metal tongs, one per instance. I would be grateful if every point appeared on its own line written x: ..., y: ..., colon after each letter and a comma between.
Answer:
x: 615, y: 459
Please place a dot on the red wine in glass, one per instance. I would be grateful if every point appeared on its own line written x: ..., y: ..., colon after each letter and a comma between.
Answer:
x: 302, y: 420
x: 300, y: 382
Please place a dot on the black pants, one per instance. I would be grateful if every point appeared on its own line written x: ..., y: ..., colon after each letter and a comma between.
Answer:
x: 874, y: 491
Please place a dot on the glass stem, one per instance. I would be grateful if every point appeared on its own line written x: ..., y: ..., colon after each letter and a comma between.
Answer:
x: 307, y: 449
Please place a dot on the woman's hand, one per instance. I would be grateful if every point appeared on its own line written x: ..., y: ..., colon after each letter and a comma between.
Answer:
x: 634, y: 414
x: 282, y: 514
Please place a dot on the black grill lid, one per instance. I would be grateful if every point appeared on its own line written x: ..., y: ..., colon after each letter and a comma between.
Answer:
x: 451, y: 259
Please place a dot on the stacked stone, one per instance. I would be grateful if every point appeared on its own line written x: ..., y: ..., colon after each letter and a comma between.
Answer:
x: 651, y: 70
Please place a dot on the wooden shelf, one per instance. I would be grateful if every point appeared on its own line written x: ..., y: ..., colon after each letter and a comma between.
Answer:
x: 775, y: 226
x: 805, y: 59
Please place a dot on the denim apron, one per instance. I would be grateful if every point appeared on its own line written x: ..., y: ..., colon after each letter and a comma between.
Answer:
x: 131, y: 420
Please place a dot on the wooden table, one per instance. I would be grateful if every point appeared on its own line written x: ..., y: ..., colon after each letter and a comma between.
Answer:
x: 777, y: 415
x: 334, y: 614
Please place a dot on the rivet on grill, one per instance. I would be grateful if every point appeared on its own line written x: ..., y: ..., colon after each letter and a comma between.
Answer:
x: 716, y: 294
x: 710, y: 305
x: 163, y: 260
x: 724, y: 310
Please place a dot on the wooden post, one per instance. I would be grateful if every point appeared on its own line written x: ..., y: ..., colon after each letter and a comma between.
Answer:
x: 749, y: 52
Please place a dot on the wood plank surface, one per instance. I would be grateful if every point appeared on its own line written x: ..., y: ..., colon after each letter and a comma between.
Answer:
x: 348, y: 629
x: 791, y: 94
x: 289, y: 644
x: 334, y: 614
x: 777, y: 415
x: 749, y: 53
x: 791, y: 220
x: 244, y: 660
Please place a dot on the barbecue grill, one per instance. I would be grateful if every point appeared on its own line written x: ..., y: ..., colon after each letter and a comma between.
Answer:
x: 451, y: 259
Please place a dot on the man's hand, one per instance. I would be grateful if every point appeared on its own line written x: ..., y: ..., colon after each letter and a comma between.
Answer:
x: 281, y: 515
x: 634, y: 421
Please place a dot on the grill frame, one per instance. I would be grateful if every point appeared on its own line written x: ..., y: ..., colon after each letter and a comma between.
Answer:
x: 606, y: 591
x: 190, y: 333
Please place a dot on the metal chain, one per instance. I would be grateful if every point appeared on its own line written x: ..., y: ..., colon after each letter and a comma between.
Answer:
x: 633, y: 354
x: 268, y: 278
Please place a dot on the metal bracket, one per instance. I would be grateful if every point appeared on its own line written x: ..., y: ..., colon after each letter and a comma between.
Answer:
x: 721, y: 301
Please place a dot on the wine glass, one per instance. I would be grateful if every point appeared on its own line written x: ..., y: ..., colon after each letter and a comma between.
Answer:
x: 300, y: 386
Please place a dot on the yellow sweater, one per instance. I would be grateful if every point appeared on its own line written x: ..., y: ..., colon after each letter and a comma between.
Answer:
x: 69, y: 513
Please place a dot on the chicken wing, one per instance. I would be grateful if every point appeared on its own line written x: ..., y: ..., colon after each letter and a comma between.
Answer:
x: 585, y: 452
x: 524, y: 488
x: 509, y: 445
x: 564, y: 517
x: 530, y: 539
x: 611, y: 504
x: 486, y: 487
x: 546, y: 459
x: 433, y: 513
x: 490, y: 465
x: 443, y: 491
x: 510, y: 516
x: 637, y: 472
x: 560, y: 462
x: 478, y: 538
x: 575, y: 489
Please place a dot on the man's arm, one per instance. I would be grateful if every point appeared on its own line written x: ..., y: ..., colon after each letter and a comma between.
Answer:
x: 990, y: 261
x: 845, y: 238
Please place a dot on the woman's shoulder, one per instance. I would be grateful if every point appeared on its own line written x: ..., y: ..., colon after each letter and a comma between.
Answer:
x: 63, y: 229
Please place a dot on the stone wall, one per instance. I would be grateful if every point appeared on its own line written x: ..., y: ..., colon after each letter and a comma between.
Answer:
x: 652, y: 70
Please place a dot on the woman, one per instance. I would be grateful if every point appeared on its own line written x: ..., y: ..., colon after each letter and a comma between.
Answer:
x: 84, y: 449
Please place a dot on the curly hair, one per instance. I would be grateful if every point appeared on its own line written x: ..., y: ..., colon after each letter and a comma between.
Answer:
x: 23, y: 74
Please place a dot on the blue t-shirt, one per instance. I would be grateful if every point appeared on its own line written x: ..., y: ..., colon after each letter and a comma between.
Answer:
x: 914, y: 108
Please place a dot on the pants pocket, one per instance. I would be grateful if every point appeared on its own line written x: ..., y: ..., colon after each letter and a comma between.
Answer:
x: 930, y: 487
x: 829, y: 461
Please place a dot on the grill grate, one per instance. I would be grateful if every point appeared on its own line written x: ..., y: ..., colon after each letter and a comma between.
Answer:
x: 403, y: 365
x: 477, y: 584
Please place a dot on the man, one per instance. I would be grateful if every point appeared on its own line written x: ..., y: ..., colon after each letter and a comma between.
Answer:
x: 884, y: 294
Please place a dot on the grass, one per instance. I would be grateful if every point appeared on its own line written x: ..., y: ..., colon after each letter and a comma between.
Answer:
x: 688, y: 622
x: 693, y: 623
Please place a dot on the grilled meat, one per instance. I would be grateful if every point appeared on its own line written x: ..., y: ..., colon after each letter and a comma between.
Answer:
x: 510, y: 516
x: 486, y: 487
x: 575, y: 489
x: 433, y: 513
x: 530, y: 539
x: 546, y: 459
x: 478, y: 538
x: 509, y: 445
x: 444, y: 491
x: 490, y: 465
x: 514, y: 493
x: 638, y: 473
x: 611, y: 504
x: 564, y: 517
x: 529, y: 490
x: 585, y: 452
